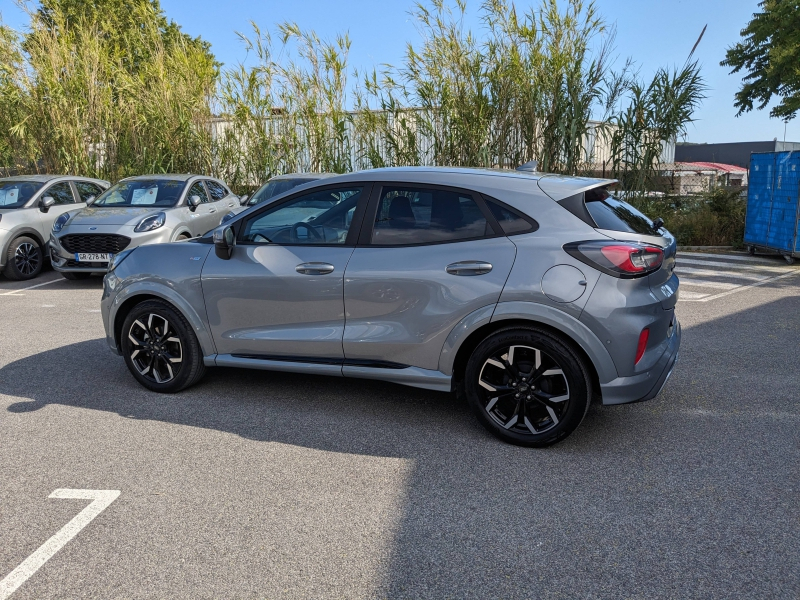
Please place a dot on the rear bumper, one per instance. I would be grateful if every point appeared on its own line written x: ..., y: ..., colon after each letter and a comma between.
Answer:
x: 647, y: 385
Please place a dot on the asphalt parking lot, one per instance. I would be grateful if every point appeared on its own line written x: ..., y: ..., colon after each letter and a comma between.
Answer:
x: 265, y: 485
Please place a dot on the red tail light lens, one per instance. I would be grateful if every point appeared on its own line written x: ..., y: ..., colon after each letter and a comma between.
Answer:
x: 642, y: 346
x: 621, y: 259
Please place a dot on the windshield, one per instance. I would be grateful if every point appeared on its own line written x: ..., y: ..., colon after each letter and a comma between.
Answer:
x: 142, y: 192
x: 616, y: 215
x: 15, y: 194
x: 274, y: 187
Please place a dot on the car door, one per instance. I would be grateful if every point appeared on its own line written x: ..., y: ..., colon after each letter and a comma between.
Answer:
x: 427, y: 257
x: 65, y: 198
x: 205, y: 215
x: 280, y: 294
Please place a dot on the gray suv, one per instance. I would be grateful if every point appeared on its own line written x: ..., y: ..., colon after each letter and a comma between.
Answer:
x: 148, y: 209
x: 29, y: 205
x: 528, y: 294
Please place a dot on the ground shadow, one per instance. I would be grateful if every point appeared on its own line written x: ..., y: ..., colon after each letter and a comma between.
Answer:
x: 688, y: 495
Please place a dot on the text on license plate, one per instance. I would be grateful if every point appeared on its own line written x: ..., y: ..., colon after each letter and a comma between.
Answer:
x: 93, y: 256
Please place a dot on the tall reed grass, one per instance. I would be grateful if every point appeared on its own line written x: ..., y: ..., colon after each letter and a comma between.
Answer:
x: 525, y: 86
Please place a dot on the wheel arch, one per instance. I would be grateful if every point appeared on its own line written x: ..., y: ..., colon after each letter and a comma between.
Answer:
x: 129, y: 298
x: 527, y: 314
x: 27, y: 232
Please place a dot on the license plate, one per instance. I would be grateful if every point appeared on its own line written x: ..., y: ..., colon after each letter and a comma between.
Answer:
x: 93, y: 256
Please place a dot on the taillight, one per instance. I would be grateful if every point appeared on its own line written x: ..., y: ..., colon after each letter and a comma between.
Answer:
x: 621, y: 259
x: 642, y: 346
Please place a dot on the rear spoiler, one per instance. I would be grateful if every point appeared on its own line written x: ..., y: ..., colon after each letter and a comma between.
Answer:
x: 560, y: 187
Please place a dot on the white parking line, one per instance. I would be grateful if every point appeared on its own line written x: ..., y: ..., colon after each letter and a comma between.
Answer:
x: 692, y: 296
x: 101, y: 499
x: 726, y: 256
x: 712, y: 263
x: 14, y: 292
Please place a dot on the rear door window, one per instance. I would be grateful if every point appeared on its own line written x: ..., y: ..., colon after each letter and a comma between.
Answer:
x: 615, y: 214
x: 418, y: 215
x: 216, y: 190
x: 511, y: 221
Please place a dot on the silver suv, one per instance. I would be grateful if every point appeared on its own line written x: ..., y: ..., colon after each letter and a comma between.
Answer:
x: 528, y: 294
x: 148, y: 209
x: 29, y: 205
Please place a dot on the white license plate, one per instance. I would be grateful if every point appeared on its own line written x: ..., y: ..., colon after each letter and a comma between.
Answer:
x: 93, y: 256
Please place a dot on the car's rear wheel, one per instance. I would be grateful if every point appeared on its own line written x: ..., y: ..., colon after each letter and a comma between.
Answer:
x: 75, y: 276
x: 160, y: 348
x: 527, y: 386
x: 24, y: 259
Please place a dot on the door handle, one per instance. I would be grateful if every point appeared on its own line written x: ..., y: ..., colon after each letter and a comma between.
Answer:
x: 469, y: 267
x: 231, y: 204
x: 314, y: 268
x: 212, y: 210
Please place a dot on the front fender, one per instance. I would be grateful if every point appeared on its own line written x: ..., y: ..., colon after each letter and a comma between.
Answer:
x: 160, y: 290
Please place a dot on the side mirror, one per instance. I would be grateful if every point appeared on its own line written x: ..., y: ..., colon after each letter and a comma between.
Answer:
x: 243, y: 200
x: 45, y: 203
x: 194, y: 202
x: 224, y: 241
x: 658, y: 222
x: 90, y: 200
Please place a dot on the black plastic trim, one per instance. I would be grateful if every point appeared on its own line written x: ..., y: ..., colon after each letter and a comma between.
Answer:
x: 321, y: 360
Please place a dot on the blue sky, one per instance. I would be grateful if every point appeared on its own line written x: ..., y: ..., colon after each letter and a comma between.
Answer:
x: 654, y: 32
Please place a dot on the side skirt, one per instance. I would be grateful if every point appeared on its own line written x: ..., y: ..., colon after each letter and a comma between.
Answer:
x: 359, y: 369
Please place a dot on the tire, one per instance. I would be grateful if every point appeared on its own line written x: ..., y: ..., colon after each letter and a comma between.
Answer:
x: 183, y: 236
x: 24, y: 259
x: 162, y: 332
x: 75, y: 276
x: 534, y: 412
x: 751, y: 250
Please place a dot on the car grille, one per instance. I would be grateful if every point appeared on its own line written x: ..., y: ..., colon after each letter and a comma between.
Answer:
x: 94, y: 242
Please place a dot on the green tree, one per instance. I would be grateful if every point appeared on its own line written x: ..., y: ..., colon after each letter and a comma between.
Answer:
x: 769, y: 55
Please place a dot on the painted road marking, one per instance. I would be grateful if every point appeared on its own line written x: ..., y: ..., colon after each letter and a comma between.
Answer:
x: 101, y: 499
x: 711, y: 263
x: 14, y: 292
x: 729, y: 292
x: 764, y: 260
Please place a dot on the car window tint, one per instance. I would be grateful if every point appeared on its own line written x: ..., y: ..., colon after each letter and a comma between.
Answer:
x: 61, y: 193
x: 415, y: 215
x: 216, y: 190
x: 14, y: 194
x: 87, y: 189
x: 510, y: 220
x: 275, y: 187
x: 319, y: 217
x: 616, y: 215
x: 198, y: 190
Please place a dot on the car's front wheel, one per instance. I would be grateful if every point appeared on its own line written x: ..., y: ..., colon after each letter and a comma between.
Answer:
x: 160, y: 348
x: 24, y: 259
x: 527, y: 386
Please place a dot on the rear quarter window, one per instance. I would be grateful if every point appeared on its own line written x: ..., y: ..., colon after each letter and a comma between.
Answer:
x: 614, y: 214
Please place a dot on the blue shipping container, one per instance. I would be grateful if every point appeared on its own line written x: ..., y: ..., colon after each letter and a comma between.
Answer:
x: 773, y: 202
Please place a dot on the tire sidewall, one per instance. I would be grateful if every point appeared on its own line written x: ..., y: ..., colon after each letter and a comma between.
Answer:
x: 574, y: 370
x: 191, y: 351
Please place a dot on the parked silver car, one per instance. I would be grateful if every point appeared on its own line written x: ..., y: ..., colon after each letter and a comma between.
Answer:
x: 29, y: 205
x: 529, y: 294
x: 275, y: 186
x: 148, y: 209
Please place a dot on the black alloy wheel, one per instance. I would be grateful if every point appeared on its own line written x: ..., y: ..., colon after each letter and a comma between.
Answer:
x: 160, y: 348
x: 527, y: 386
x: 24, y: 259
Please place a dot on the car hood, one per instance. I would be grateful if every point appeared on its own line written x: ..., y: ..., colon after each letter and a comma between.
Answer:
x: 102, y: 215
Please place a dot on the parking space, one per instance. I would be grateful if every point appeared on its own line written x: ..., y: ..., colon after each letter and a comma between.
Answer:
x: 255, y: 484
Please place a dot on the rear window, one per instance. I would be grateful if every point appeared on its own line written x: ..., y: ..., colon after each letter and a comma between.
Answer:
x: 615, y: 214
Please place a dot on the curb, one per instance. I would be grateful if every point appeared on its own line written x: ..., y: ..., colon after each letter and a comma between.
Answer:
x: 693, y: 248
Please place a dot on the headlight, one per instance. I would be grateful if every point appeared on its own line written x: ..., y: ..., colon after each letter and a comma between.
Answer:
x: 60, y: 222
x: 152, y: 222
x: 118, y: 258
x: 227, y: 217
